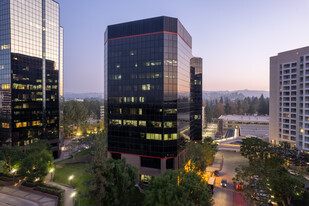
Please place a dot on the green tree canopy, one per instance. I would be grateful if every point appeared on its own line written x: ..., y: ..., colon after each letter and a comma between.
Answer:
x: 178, y: 188
x: 254, y: 147
x: 121, y: 179
x: 201, y: 154
x: 36, y: 165
x: 267, y: 179
x: 114, y: 180
x: 12, y: 157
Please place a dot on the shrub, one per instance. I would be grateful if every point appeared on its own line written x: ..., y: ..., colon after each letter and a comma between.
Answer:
x: 52, y: 191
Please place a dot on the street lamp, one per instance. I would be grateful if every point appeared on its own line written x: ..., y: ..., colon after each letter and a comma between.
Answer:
x: 14, y: 172
x: 51, y: 171
x: 78, y: 198
x: 70, y: 179
x: 73, y: 196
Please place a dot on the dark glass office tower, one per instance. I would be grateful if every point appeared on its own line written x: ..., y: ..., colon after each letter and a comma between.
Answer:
x: 31, y: 72
x: 147, y: 93
x: 196, y: 99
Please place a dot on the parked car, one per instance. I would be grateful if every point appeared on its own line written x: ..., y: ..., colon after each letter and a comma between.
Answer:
x: 239, y: 186
x: 293, y: 172
x: 223, y: 182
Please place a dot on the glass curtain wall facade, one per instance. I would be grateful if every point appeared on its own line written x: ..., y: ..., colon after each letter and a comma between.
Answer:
x: 147, y: 91
x: 30, y: 49
x: 196, y: 99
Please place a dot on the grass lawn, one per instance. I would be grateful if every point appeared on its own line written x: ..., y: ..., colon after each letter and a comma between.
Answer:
x: 81, y: 154
x: 81, y: 175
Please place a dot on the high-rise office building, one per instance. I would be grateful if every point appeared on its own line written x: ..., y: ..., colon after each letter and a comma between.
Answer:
x: 196, y: 90
x: 31, y: 72
x: 150, y: 97
x: 289, y: 98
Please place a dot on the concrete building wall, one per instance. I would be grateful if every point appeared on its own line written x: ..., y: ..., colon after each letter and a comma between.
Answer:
x: 289, y: 98
x: 274, y: 101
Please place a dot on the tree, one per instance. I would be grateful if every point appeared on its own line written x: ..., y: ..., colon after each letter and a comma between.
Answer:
x: 74, y: 113
x: 178, y: 188
x: 11, y: 156
x: 254, y: 147
x: 113, y: 179
x: 227, y: 108
x: 218, y: 110
x: 98, y: 168
x: 266, y: 180
x: 286, y: 187
x: 263, y: 107
x: 208, y: 113
x: 36, y: 165
x: 201, y: 154
x: 2, y: 166
x: 121, y: 179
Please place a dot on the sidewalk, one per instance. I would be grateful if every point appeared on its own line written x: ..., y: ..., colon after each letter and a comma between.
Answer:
x: 216, y: 165
x: 27, y: 195
x: 68, y: 200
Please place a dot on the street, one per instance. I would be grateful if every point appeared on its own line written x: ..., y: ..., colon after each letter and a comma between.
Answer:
x: 228, y: 196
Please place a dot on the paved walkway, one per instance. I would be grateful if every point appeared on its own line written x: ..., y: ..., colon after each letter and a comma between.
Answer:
x: 216, y: 165
x: 24, y: 198
x: 68, y: 200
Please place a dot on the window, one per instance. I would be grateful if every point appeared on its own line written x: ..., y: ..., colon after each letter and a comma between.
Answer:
x: 170, y: 136
x: 152, y: 136
x: 170, y: 124
x: 115, y: 122
x: 116, y: 156
x: 146, y: 87
x: 130, y: 122
x: 6, y: 125
x: 151, y: 162
x: 170, y: 163
x: 145, y: 179
x: 142, y: 123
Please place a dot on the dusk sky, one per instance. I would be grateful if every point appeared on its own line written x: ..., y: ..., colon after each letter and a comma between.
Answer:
x: 234, y: 37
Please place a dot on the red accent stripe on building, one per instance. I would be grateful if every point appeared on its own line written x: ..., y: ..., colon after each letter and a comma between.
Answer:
x: 142, y: 155
x: 137, y: 35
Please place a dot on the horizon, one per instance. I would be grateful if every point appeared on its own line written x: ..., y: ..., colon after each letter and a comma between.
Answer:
x: 203, y: 91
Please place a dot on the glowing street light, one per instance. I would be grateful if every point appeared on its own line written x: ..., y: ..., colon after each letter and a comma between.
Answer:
x: 70, y: 179
x: 14, y: 172
x: 51, y: 171
x: 73, y: 194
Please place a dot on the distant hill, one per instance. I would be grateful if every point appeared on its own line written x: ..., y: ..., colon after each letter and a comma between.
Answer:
x: 253, y: 93
x: 209, y: 95
x: 233, y: 95
x: 72, y: 96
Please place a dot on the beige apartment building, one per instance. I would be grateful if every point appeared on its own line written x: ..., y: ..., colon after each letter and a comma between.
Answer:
x: 289, y: 98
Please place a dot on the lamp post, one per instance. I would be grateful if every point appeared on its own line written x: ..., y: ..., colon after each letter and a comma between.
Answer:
x: 78, y: 198
x: 70, y: 179
x: 73, y: 196
x: 51, y: 171
x: 13, y: 172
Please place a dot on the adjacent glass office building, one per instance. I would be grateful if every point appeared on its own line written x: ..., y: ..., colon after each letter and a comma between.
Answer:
x: 31, y: 72
x: 148, y: 93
